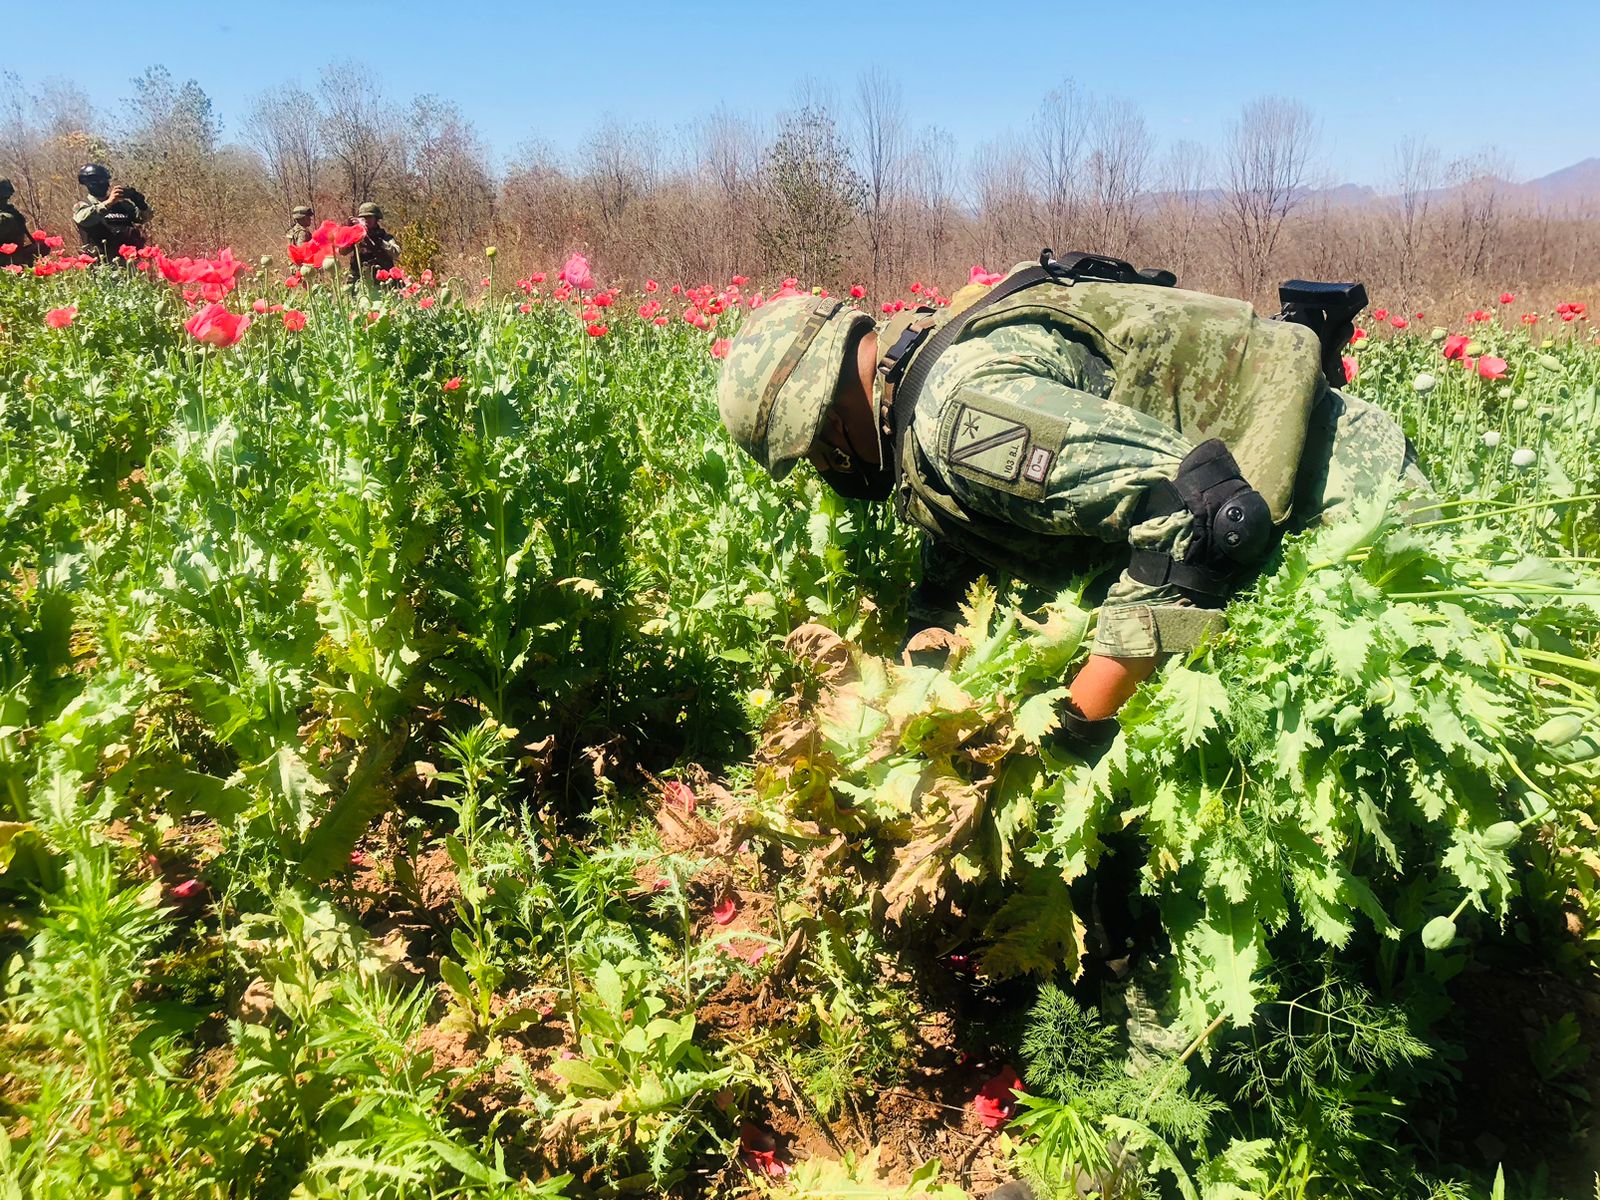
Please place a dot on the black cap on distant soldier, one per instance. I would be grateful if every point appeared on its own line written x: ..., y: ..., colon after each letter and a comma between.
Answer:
x: 6, y: 190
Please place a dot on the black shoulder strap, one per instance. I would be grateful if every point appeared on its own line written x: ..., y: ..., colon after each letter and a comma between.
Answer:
x: 905, y: 394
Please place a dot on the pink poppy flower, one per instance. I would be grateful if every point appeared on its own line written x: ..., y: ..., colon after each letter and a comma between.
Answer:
x: 576, y: 273
x: 60, y: 318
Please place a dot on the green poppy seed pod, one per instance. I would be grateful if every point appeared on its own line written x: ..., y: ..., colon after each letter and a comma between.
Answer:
x: 266, y: 260
x: 1424, y: 383
x: 1550, y: 362
x: 1502, y: 835
x: 1438, y: 333
x: 1547, y: 344
x: 1520, y: 404
x: 1547, y: 413
x: 1438, y: 933
x: 490, y: 252
x: 1559, y: 730
x: 1491, y: 439
x: 1474, y: 348
x: 1523, y: 458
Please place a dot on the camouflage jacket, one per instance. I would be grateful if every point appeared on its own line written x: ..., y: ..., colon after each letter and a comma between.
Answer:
x: 378, y: 251
x: 105, y: 236
x: 298, y: 235
x: 1027, y: 455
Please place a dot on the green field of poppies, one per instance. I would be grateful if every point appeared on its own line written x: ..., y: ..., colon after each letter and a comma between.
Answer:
x: 433, y: 762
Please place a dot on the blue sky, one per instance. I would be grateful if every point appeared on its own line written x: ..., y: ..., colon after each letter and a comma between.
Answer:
x: 1464, y: 75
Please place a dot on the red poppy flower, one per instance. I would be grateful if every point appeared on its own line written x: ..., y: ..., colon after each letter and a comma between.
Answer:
x: 127, y: 252
x: 857, y: 292
x: 1455, y: 346
x: 187, y: 890
x: 1380, y: 314
x: 60, y: 318
x: 986, y: 278
x: 597, y: 331
x: 8, y: 247
x: 1507, y: 297
x: 1350, y: 368
x: 1530, y: 318
x: 1490, y: 367
x: 758, y: 1151
x: 727, y: 908
x: 294, y: 320
x: 719, y: 348
x: 660, y: 321
x: 1478, y: 315
x: 1399, y: 322
x: 216, y: 326
x: 650, y: 285
x: 603, y: 300
x: 426, y: 302
x: 39, y: 235
x: 1357, y: 336
x: 292, y: 281
x: 452, y: 383
x: 996, y: 1099
x: 524, y: 308
x: 739, y: 280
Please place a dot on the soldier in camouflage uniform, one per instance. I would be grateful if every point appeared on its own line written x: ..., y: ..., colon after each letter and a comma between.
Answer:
x: 300, y: 225
x: 378, y: 251
x: 15, y: 231
x: 1069, y: 427
x: 1039, y: 434
x: 109, y: 218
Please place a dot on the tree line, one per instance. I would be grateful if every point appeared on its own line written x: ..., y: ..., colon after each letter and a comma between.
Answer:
x: 835, y: 191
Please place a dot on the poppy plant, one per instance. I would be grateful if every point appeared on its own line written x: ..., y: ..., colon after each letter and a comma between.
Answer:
x: 1490, y: 367
x: 216, y: 326
x: 595, y: 331
x: 294, y: 320
x: 1507, y: 297
x: 452, y: 383
x: 857, y: 292
x: 1380, y: 314
x: 60, y: 318
x: 8, y: 247
x: 1455, y: 346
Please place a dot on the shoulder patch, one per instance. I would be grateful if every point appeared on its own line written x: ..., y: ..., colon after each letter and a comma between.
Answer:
x: 983, y: 442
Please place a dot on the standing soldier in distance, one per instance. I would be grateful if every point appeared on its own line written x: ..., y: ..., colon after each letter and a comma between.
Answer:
x: 109, y: 218
x: 378, y: 251
x: 300, y: 225
x: 14, y: 232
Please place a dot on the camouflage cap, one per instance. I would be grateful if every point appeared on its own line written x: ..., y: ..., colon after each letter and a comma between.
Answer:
x: 300, y: 210
x: 782, y: 374
x: 369, y: 209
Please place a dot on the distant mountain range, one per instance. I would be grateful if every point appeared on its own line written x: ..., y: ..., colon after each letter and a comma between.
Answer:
x: 1574, y: 187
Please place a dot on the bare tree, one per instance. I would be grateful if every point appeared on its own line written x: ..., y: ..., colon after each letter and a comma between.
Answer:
x: 1182, y: 208
x: 285, y: 126
x: 357, y: 129
x: 1119, y: 147
x: 619, y: 164
x: 1265, y: 163
x: 1007, y: 225
x: 880, y: 157
x: 727, y: 154
x: 929, y: 183
x: 449, y: 194
x: 1472, y: 227
x: 1415, y: 179
x: 1059, y: 129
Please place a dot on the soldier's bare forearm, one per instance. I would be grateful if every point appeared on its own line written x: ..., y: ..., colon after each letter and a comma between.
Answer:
x: 1104, y: 683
